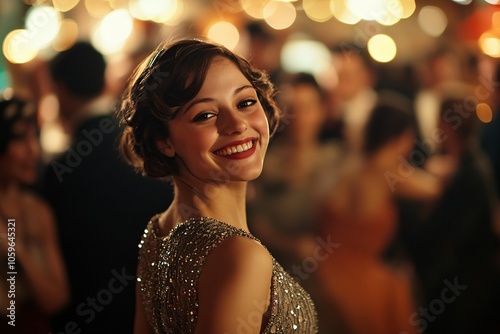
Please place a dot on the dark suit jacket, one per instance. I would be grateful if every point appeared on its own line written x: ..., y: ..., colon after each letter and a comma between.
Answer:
x: 102, y: 206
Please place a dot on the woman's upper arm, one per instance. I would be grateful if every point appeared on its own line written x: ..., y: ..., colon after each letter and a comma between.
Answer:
x: 234, y: 288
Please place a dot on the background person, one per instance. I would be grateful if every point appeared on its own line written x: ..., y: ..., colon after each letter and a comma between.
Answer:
x: 97, y: 198
x: 41, y: 286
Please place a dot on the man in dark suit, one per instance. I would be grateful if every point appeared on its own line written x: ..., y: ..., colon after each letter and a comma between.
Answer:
x: 102, y: 206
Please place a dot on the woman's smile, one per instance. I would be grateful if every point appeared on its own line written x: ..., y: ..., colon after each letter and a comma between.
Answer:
x: 240, y: 149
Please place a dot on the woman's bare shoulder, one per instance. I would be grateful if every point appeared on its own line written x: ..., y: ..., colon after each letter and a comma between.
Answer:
x: 239, y: 256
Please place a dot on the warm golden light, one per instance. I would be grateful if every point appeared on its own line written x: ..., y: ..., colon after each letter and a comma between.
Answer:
x: 68, y: 34
x: 391, y: 15
x: 53, y: 138
x: 167, y: 11
x: 17, y: 47
x: 176, y: 16
x: 317, y: 10
x: 224, y: 33
x: 119, y: 4
x: 42, y: 24
x: 495, y: 22
x: 490, y: 44
x: 113, y: 31
x: 432, y: 20
x: 254, y: 8
x: 484, y: 112
x: 98, y: 8
x: 48, y: 109
x: 279, y: 15
x: 409, y: 7
x: 305, y: 56
x: 342, y: 13
x: 154, y: 10
x: 382, y: 48
x: 386, y: 12
x: 65, y: 5
x: 367, y: 10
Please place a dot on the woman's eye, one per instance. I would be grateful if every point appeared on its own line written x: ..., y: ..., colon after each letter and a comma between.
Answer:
x: 247, y: 103
x: 203, y: 117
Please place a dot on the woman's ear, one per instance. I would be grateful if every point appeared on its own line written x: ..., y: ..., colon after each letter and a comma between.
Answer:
x: 165, y: 146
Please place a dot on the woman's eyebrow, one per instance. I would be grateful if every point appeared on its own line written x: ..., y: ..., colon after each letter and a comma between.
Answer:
x: 237, y: 90
x: 209, y: 99
x: 201, y: 100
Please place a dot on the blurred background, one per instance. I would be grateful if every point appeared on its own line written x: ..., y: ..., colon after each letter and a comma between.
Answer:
x: 279, y: 36
x: 379, y: 192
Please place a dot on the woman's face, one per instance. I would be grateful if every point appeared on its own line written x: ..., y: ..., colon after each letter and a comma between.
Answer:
x: 222, y: 134
x: 19, y: 162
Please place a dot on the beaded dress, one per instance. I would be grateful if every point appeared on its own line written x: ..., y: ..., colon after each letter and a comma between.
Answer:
x: 170, y: 266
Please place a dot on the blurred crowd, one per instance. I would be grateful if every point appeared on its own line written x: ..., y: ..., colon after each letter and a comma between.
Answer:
x: 379, y: 194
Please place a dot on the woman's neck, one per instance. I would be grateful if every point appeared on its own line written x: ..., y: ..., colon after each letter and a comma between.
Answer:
x: 224, y: 202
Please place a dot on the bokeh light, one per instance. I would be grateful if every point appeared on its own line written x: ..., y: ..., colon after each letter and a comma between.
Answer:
x: 113, y: 31
x: 391, y: 14
x: 317, y: 10
x: 366, y: 10
x: 68, y: 34
x: 382, y: 48
x: 48, y: 108
x: 342, y: 13
x: 98, y: 8
x: 167, y: 11
x: 432, y: 20
x: 176, y: 16
x: 17, y: 47
x: 65, y: 5
x: 154, y: 10
x: 53, y: 139
x: 305, y: 56
x: 279, y: 15
x: 495, y: 22
x: 224, y: 33
x: 42, y: 25
x: 119, y: 4
x: 484, y: 112
x: 409, y: 7
x: 254, y: 8
x: 490, y: 44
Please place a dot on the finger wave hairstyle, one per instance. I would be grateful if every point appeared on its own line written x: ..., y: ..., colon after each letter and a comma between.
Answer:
x: 161, y: 85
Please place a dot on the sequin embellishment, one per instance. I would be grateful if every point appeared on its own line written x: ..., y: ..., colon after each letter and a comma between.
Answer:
x: 170, y: 266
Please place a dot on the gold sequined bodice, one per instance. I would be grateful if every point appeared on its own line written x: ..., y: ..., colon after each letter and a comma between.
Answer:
x: 170, y: 266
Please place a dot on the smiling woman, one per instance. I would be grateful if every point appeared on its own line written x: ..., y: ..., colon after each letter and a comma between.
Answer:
x: 200, y: 114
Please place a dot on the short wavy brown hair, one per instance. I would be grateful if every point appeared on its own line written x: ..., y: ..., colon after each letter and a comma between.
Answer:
x: 164, y: 82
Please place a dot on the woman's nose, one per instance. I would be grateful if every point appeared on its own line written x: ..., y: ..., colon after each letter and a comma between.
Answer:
x: 232, y: 122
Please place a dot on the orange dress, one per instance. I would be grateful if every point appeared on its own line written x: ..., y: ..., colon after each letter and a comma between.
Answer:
x: 370, y: 296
